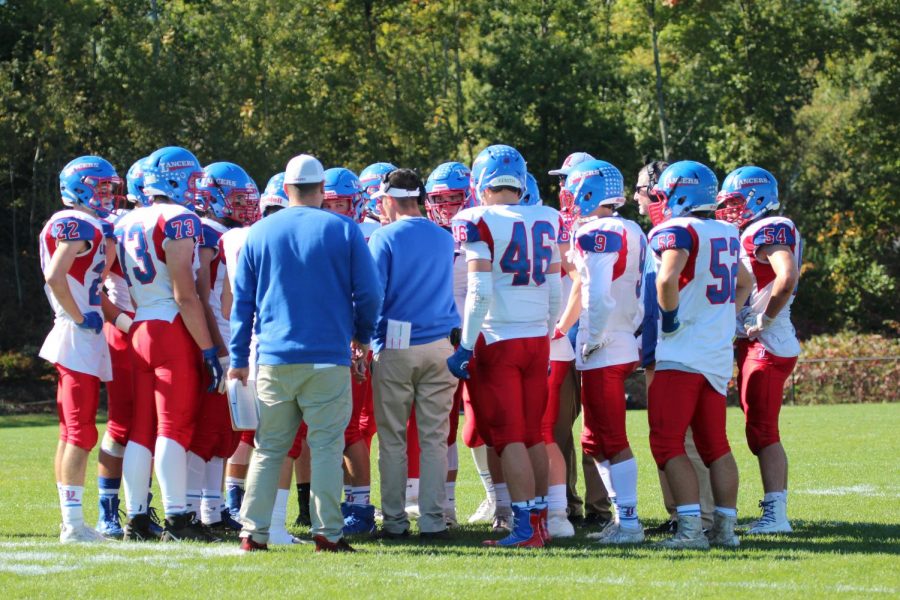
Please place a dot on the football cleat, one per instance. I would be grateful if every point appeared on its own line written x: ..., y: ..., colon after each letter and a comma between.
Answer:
x: 186, y: 527
x: 282, y: 537
x: 248, y: 545
x: 304, y: 519
x: 558, y: 525
x: 79, y: 534
x: 140, y: 528
x: 226, y: 525
x: 669, y: 527
x: 503, y: 520
x: 773, y: 520
x: 234, y: 497
x: 108, y: 523
x: 360, y: 519
x: 722, y: 533
x: 525, y: 534
x: 689, y: 536
x: 608, y: 528
x: 542, y: 523
x: 324, y: 545
x: 619, y: 534
x: 155, y: 522
x: 485, y: 512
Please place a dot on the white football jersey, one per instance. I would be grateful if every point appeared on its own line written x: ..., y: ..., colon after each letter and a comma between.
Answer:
x: 609, y: 253
x: 67, y: 344
x: 521, y: 243
x: 368, y: 227
x: 212, y: 234
x: 703, y: 342
x: 115, y: 284
x: 561, y: 349
x: 780, y: 338
x: 143, y: 235
x: 231, y: 243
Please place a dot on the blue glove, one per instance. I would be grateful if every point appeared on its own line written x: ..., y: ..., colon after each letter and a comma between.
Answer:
x: 458, y: 363
x: 670, y: 322
x: 214, y: 367
x: 92, y: 322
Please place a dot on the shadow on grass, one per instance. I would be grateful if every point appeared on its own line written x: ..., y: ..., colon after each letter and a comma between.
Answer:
x: 812, y: 537
x: 32, y: 420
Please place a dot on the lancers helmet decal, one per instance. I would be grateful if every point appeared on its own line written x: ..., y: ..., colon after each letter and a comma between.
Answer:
x: 747, y: 194
x: 173, y: 172
x: 229, y: 193
x: 684, y: 187
x: 595, y: 183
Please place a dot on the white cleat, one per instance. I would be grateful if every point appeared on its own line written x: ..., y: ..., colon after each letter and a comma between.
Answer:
x: 412, y: 508
x: 558, y: 525
x: 620, y: 535
x: 722, y: 533
x: 773, y: 520
x: 485, y: 512
x: 281, y: 537
x: 503, y: 521
x: 609, y: 528
x: 689, y: 536
x: 79, y: 534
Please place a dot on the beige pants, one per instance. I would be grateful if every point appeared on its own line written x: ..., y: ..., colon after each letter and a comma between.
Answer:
x: 707, y: 504
x: 400, y: 379
x: 287, y: 395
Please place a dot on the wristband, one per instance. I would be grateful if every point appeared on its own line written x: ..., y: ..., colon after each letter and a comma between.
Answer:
x: 669, y: 319
x: 123, y: 322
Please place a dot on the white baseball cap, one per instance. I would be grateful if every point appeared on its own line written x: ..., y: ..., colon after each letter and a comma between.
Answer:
x: 570, y: 163
x: 304, y: 168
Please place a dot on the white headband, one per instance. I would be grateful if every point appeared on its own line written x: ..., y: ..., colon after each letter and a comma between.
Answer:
x: 385, y: 189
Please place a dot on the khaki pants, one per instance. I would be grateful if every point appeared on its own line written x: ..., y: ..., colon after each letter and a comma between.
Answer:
x: 707, y: 504
x: 400, y: 379
x: 287, y: 395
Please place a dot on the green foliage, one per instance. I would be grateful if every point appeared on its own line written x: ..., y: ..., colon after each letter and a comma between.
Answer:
x: 805, y: 88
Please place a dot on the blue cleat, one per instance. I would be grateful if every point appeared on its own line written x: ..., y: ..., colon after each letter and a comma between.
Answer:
x: 360, y: 519
x: 526, y: 531
x: 234, y: 497
x: 108, y: 524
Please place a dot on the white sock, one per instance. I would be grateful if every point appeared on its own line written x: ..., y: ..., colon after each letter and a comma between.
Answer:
x: 452, y: 457
x: 412, y: 490
x: 450, y: 493
x: 70, y: 497
x: 728, y: 512
x: 279, y: 510
x: 234, y: 482
x: 196, y: 477
x: 136, y: 467
x: 361, y: 495
x: 479, y: 455
x: 503, y: 498
x: 785, y: 496
x: 211, y: 506
x: 556, y: 495
x: 603, y: 470
x: 171, y: 473
x: 624, y: 481
x: 348, y: 494
x: 688, y: 510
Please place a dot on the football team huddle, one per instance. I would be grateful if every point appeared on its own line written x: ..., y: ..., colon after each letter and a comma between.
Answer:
x: 140, y: 275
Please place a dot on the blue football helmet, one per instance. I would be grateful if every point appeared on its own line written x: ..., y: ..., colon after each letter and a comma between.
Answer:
x: 134, y: 181
x: 684, y: 187
x: 274, y: 194
x: 173, y: 172
x: 370, y: 178
x: 89, y: 181
x: 343, y: 193
x: 447, y: 192
x: 595, y: 183
x: 228, y: 192
x: 498, y: 166
x: 747, y: 194
x: 532, y: 195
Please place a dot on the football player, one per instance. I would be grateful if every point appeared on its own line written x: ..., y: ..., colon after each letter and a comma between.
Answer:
x: 699, y: 283
x: 370, y: 179
x: 73, y: 248
x: 170, y: 340
x: 767, y: 346
x: 227, y: 198
x: 609, y: 253
x: 512, y: 302
x: 343, y: 196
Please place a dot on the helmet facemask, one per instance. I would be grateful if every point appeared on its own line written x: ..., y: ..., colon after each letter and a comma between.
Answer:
x: 441, y: 207
x: 657, y: 210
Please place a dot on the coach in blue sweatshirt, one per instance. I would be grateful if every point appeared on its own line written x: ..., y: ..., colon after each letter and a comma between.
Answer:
x: 414, y: 259
x: 307, y: 285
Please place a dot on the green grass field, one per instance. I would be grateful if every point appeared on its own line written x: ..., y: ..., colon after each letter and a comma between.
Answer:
x: 844, y: 504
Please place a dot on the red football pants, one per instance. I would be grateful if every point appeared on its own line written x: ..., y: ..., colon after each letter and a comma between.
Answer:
x: 558, y: 371
x: 603, y: 401
x: 77, y: 398
x: 761, y: 376
x: 678, y: 400
x: 119, y: 391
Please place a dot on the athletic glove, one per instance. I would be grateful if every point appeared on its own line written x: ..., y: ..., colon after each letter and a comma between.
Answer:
x: 123, y: 323
x: 92, y: 322
x: 225, y: 363
x: 587, y: 350
x: 756, y: 325
x: 214, y: 368
x: 458, y: 363
x: 557, y: 334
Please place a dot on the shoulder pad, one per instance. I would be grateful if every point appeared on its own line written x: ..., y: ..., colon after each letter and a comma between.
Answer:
x: 772, y: 234
x: 72, y: 229
x: 599, y: 241
x: 674, y: 237
x: 211, y: 236
x: 185, y: 225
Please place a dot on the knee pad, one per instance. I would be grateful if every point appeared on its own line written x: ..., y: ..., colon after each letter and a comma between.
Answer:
x: 761, y: 437
x: 665, y: 448
x: 111, y: 446
x: 612, y: 445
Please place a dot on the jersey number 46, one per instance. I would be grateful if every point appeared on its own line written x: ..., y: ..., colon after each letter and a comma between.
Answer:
x: 524, y: 266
